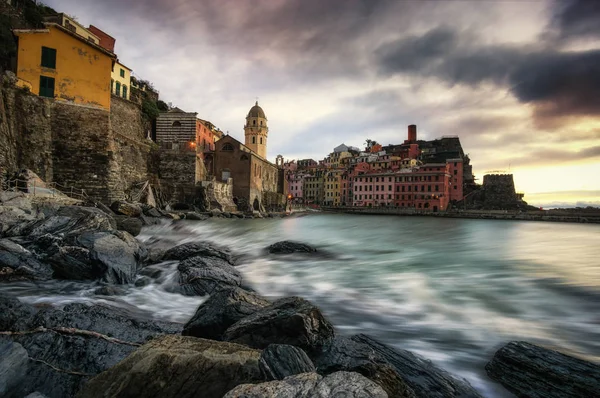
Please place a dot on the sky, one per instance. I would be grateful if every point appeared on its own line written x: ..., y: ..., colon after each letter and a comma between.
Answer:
x: 517, y: 81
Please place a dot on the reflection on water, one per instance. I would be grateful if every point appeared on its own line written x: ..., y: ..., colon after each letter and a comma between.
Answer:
x: 452, y: 290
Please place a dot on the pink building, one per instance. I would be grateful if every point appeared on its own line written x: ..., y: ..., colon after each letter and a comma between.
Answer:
x: 425, y: 188
x: 295, y: 184
x: 456, y: 178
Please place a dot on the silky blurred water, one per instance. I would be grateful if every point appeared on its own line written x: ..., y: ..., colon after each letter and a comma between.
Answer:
x: 452, y: 290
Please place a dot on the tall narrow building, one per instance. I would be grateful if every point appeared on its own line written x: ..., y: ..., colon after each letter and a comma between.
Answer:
x: 256, y: 131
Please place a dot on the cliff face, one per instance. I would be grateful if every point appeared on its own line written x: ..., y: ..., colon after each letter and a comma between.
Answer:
x: 102, y: 152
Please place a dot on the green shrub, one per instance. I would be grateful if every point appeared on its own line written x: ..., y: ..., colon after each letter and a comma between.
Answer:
x: 150, y: 109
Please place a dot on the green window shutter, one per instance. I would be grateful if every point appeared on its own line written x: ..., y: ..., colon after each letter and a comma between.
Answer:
x: 122, y: 72
x: 118, y: 89
x: 48, y: 58
x: 124, y: 91
x: 46, y: 87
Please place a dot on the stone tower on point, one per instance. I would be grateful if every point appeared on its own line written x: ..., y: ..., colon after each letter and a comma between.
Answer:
x: 256, y: 131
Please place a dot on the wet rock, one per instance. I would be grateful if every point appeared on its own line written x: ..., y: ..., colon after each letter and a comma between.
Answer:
x: 65, y: 220
x: 142, y: 281
x: 342, y: 353
x: 14, y: 364
x: 195, y: 216
x: 279, y: 361
x: 129, y: 224
x: 110, y: 321
x: 151, y: 272
x: 194, y: 249
x: 151, y: 211
x: 126, y: 209
x: 22, y: 262
x: 110, y: 291
x: 206, y: 275
x: 226, y: 214
x: 117, y: 255
x: 178, y: 366
x: 340, y: 384
x: 215, y: 212
x: 422, y: 376
x: 74, y: 262
x: 288, y: 247
x: 221, y: 310
x: 14, y: 315
x: 528, y: 370
x: 291, y: 320
x: 66, y: 347
x: 36, y: 394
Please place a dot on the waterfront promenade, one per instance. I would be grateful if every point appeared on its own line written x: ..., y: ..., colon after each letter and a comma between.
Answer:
x: 557, y: 215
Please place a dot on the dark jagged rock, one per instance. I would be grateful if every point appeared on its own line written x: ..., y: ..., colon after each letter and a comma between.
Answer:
x: 279, y: 361
x: 288, y: 247
x: 345, y: 354
x: 14, y: 364
x: 221, y: 310
x: 195, y: 216
x: 151, y: 272
x: 116, y: 254
x: 129, y: 224
x: 152, y: 212
x: 22, y: 262
x: 340, y: 384
x: 106, y: 320
x: 206, y: 275
x: 74, y: 262
x: 178, y: 366
x: 66, y: 220
x: 528, y: 370
x: 195, y: 249
x: 423, y: 377
x: 291, y: 320
x: 126, y: 209
x: 14, y: 315
x: 67, y: 347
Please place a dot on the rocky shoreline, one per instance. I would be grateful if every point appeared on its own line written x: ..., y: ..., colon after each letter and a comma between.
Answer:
x: 237, y: 344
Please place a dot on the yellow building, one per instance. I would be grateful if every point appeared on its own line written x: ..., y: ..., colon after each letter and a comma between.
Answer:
x: 56, y: 62
x: 332, y: 188
x: 120, y: 79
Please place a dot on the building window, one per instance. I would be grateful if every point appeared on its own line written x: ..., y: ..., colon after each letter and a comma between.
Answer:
x: 48, y: 58
x: 261, y: 140
x: 46, y: 86
x: 455, y: 172
x: 254, y: 140
x: 124, y: 91
x: 118, y: 89
x: 254, y: 122
x: 176, y: 123
x: 122, y: 72
x: 227, y: 147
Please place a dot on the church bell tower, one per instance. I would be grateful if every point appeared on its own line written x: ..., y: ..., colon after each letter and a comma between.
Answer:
x: 256, y: 131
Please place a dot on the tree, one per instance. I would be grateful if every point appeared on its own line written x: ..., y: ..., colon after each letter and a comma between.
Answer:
x: 8, y: 46
x: 150, y: 109
x: 162, y: 106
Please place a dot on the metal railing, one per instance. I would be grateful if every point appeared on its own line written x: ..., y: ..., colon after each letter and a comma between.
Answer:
x: 50, y: 189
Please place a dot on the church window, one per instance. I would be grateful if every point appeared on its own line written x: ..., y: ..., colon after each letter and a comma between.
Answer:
x: 254, y: 140
x: 176, y: 123
x: 261, y: 122
x: 254, y: 122
x: 244, y: 157
x: 261, y: 140
x: 227, y: 147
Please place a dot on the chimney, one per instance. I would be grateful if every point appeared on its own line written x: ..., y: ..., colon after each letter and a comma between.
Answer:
x: 412, y: 133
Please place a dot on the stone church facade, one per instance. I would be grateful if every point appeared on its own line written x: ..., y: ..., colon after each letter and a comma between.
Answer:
x: 258, y: 185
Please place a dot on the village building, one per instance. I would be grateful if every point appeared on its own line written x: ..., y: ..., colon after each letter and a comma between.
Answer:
x: 60, y: 62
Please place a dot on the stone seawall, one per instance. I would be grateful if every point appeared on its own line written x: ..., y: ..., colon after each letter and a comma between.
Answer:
x: 76, y: 146
x: 542, y: 215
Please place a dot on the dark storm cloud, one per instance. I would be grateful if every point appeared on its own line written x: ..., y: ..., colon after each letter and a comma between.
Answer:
x: 578, y: 19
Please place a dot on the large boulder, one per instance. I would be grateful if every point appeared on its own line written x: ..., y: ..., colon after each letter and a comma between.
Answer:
x: 345, y: 354
x: 113, y: 257
x: 528, y: 370
x: 340, y: 384
x: 66, y: 347
x: 14, y: 364
x: 126, y: 209
x: 422, y: 376
x: 221, y: 310
x: 22, y: 262
x: 15, y: 316
x: 279, y: 361
x: 129, y: 224
x: 206, y: 275
x: 291, y: 320
x: 178, y: 366
x: 198, y: 249
x: 288, y: 247
x: 63, y: 221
